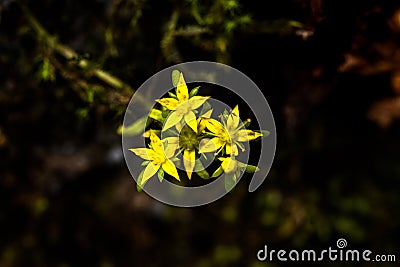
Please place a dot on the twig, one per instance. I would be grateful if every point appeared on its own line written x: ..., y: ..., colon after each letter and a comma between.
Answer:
x: 69, y: 54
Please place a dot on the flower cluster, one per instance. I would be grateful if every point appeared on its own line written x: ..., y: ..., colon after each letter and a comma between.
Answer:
x: 194, y: 134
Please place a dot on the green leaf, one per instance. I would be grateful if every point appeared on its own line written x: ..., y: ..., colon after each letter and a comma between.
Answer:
x: 82, y: 113
x: 200, y: 170
x: 194, y: 91
x: 265, y: 133
x: 175, y: 159
x: 203, y: 174
x: 156, y: 114
x: 145, y: 163
x: 217, y: 173
x: 170, y: 132
x: 296, y: 24
x: 238, y: 172
x: 139, y: 181
x: 90, y: 96
x: 252, y: 169
x: 247, y: 168
x: 47, y: 72
x: 206, y: 107
x: 165, y: 113
x: 172, y: 95
x: 175, y: 77
x: 160, y: 174
x: 230, y: 181
x: 135, y: 128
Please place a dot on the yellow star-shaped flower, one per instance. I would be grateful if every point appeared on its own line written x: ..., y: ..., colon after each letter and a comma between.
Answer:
x: 229, y: 135
x: 228, y: 164
x: 182, y: 107
x: 159, y: 154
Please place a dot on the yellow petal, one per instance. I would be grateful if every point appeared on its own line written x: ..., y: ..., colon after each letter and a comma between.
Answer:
x: 233, y: 119
x: 172, y: 140
x: 179, y: 127
x: 173, y: 119
x: 214, y: 126
x: 247, y: 135
x: 182, y: 90
x: 197, y: 101
x: 207, y: 114
x: 236, y: 111
x: 144, y: 153
x: 231, y: 149
x: 201, y: 124
x: 169, y: 167
x: 150, y: 170
x: 228, y: 164
x: 171, y: 144
x: 189, y: 157
x: 190, y: 120
x: 169, y: 103
x: 210, y: 145
x: 156, y: 144
x: 147, y: 133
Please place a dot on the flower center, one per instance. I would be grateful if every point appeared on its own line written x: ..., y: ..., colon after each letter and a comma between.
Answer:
x: 183, y: 108
x: 188, y: 138
x: 159, y: 160
x: 226, y: 136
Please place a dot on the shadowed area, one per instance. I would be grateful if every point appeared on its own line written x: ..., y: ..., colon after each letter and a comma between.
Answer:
x: 329, y: 70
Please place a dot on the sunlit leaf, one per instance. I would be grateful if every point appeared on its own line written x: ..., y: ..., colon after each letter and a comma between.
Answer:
x: 139, y: 182
x: 252, y: 169
x: 156, y: 114
x: 160, y: 174
x: 206, y: 108
x: 230, y: 181
x: 172, y: 95
x: 247, y: 167
x: 149, y: 171
x: 175, y: 77
x: 194, y: 91
x: 135, y: 128
x: 264, y: 133
x: 200, y: 170
x: 217, y: 173
x: 144, y: 163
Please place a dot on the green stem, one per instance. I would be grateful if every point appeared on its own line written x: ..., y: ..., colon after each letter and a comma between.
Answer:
x: 69, y: 54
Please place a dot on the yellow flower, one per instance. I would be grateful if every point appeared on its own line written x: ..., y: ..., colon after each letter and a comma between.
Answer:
x: 182, y: 107
x: 229, y: 135
x: 159, y: 154
x: 202, y: 121
x: 229, y: 164
x: 188, y: 141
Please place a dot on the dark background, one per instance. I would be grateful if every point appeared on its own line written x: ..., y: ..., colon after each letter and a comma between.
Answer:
x: 329, y: 69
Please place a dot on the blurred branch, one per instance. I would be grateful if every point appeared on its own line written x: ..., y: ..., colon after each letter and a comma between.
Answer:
x: 168, y: 45
x: 124, y: 90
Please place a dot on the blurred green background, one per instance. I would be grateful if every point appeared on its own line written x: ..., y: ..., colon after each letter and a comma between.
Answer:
x: 329, y: 69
